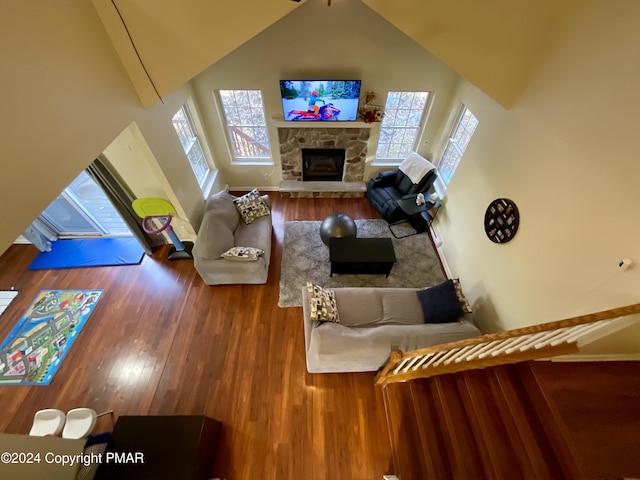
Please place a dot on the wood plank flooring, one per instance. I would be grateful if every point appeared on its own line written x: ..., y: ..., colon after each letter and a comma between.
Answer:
x: 160, y: 341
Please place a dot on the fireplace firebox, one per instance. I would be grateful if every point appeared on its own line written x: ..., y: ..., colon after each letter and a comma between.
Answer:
x: 322, y: 164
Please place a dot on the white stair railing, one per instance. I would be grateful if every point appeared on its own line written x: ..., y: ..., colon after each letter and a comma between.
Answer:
x: 529, y: 343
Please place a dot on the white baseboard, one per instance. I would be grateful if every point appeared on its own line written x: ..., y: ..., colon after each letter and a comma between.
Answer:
x: 438, y: 242
x: 435, y: 235
x: 21, y: 241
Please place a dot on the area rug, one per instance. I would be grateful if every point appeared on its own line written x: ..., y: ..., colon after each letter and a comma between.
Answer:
x: 6, y: 297
x: 34, y: 349
x: 305, y: 258
x: 94, y: 252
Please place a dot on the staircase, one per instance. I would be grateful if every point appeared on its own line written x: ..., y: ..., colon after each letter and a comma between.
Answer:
x: 481, y: 409
x: 478, y: 424
x: 541, y: 341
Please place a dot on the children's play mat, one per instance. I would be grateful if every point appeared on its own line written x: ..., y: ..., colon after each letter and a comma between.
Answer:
x: 34, y: 349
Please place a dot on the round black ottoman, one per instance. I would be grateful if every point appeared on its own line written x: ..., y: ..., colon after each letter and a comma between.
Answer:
x: 337, y: 225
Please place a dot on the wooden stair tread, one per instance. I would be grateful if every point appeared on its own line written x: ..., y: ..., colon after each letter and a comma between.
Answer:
x: 409, y: 460
x: 432, y: 432
x: 557, y: 434
x: 541, y: 457
x: 497, y: 450
x: 465, y: 459
x: 476, y: 424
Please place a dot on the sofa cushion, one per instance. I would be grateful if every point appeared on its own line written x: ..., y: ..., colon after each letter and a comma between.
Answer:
x: 323, y: 304
x: 226, y: 211
x: 214, y: 237
x: 440, y: 303
x: 257, y: 234
x: 243, y: 254
x: 402, y: 307
x: 251, y: 206
x: 359, y: 307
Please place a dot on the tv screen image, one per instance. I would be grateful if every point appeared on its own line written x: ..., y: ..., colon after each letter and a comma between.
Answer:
x: 320, y: 100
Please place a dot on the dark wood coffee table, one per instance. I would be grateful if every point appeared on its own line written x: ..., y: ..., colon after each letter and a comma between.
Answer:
x: 361, y: 255
x: 168, y: 447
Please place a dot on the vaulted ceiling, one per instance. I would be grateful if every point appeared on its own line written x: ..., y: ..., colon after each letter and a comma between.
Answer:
x: 495, y: 44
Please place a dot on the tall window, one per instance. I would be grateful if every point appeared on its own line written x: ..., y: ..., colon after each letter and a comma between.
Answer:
x: 459, y: 138
x: 401, y: 124
x: 246, y: 126
x: 183, y: 123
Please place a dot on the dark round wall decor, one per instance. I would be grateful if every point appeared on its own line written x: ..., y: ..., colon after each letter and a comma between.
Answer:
x: 501, y: 220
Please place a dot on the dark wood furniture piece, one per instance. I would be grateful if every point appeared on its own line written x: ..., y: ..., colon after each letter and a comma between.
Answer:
x: 361, y: 255
x: 172, y: 447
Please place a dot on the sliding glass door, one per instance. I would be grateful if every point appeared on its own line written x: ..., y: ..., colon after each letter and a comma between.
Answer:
x: 83, y: 209
x: 67, y: 219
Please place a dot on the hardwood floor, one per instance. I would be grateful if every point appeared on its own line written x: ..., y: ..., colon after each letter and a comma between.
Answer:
x: 160, y: 341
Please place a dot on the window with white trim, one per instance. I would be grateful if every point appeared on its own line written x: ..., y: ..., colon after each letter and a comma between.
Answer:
x: 401, y: 125
x: 245, y: 124
x: 185, y: 128
x: 459, y: 138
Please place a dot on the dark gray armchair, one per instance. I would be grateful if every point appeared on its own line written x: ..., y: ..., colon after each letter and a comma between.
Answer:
x: 384, y: 191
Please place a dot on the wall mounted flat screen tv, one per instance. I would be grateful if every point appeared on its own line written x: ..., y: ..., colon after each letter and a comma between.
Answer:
x: 320, y: 100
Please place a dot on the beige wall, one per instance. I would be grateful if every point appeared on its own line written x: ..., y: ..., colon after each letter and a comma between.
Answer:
x: 157, y: 129
x: 136, y: 165
x: 567, y: 155
x: 495, y: 45
x: 624, y: 342
x: 65, y: 97
x: 150, y: 159
x: 345, y: 41
x: 131, y: 156
x: 177, y: 40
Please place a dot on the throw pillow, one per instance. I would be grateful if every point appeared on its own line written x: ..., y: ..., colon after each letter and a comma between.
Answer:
x: 323, y: 304
x: 251, y: 206
x: 440, y: 303
x: 464, y: 303
x: 243, y: 254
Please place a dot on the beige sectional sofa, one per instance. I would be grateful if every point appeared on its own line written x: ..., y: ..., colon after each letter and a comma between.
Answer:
x: 373, y: 322
x: 222, y: 228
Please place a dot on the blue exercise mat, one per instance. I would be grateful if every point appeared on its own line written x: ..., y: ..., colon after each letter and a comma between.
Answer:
x: 95, y: 252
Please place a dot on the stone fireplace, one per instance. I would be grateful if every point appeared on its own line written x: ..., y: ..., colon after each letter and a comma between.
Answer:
x: 353, y: 141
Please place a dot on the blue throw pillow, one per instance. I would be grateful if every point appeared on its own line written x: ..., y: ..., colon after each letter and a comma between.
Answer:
x: 440, y: 303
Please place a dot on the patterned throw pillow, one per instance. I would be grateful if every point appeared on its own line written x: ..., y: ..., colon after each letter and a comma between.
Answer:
x: 243, y: 254
x: 464, y: 303
x: 251, y: 206
x: 323, y: 304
